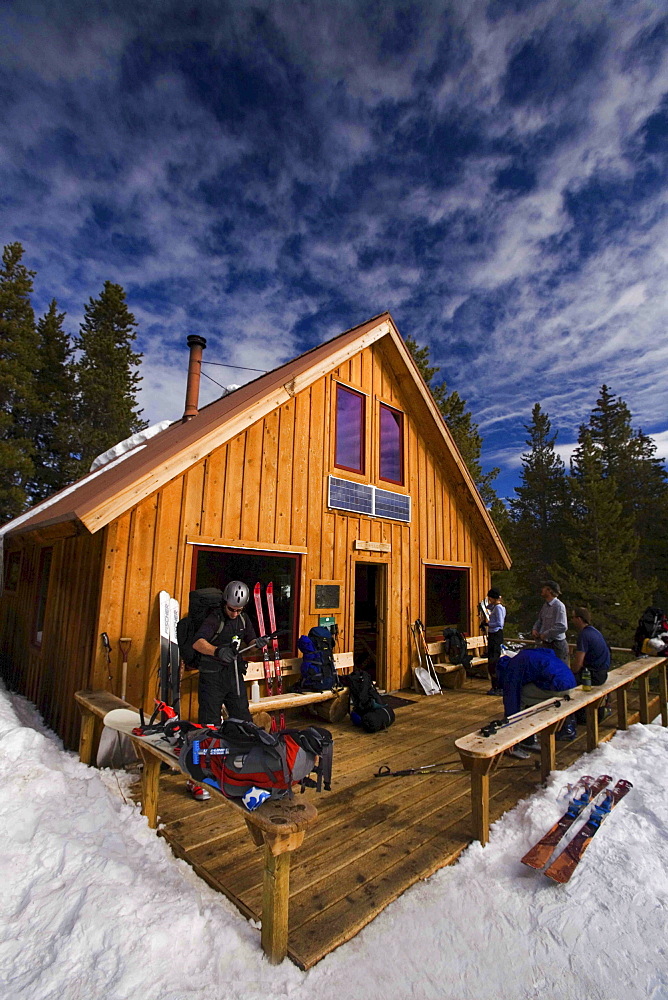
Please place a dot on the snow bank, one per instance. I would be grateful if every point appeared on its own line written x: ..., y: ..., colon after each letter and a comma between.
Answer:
x: 95, y: 906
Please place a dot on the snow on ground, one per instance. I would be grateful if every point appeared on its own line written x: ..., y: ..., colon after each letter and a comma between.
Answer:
x: 95, y: 906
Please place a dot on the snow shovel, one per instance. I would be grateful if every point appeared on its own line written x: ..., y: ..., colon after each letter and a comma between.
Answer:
x: 431, y: 669
x: 424, y: 681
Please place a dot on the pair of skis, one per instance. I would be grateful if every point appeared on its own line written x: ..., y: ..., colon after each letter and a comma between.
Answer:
x: 170, y: 658
x: 426, y: 676
x: 272, y: 672
x: 588, y: 792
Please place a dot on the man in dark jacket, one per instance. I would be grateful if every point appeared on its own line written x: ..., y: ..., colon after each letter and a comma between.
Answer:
x: 221, y: 669
x: 532, y: 676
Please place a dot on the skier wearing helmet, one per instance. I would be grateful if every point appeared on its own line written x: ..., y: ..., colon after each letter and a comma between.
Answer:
x: 221, y: 670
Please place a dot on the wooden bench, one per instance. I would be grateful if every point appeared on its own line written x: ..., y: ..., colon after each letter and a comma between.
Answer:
x: 481, y: 755
x: 277, y: 826
x: 455, y: 672
x: 332, y: 705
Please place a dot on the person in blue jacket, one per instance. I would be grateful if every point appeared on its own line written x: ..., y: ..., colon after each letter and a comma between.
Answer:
x: 529, y: 677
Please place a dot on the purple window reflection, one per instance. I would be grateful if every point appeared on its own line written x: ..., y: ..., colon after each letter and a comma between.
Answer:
x: 391, y: 445
x: 349, y: 430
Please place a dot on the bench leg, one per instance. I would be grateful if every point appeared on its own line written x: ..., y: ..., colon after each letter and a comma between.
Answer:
x: 480, y: 768
x: 663, y: 694
x: 548, y: 751
x: 275, y: 896
x: 643, y: 691
x: 592, y: 724
x: 150, y: 778
x: 87, y: 738
x: 622, y: 708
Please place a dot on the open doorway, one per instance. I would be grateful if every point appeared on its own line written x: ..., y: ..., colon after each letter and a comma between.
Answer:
x: 369, y: 619
x: 447, y: 598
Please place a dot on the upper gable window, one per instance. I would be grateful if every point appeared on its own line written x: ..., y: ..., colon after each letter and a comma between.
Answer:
x: 391, y: 445
x: 350, y: 414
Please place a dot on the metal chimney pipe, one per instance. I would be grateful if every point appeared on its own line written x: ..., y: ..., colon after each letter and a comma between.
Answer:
x: 196, y: 345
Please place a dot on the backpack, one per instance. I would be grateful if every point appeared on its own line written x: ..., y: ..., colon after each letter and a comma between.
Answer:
x: 650, y: 624
x: 318, y: 672
x: 200, y: 605
x: 368, y: 709
x: 455, y: 647
x: 239, y: 755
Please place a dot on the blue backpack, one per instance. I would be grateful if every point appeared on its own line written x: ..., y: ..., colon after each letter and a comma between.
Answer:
x: 318, y: 672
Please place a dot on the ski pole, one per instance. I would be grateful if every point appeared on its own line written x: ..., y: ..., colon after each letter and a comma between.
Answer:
x: 124, y: 642
x: 384, y: 770
x: 493, y: 727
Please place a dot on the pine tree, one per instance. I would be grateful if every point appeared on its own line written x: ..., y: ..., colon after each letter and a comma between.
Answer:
x: 458, y: 419
x: 18, y: 349
x: 53, y: 431
x: 628, y: 458
x: 535, y: 534
x: 600, y: 546
x: 107, y: 383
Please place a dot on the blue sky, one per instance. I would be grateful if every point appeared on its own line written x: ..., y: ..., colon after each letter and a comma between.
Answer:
x: 269, y: 174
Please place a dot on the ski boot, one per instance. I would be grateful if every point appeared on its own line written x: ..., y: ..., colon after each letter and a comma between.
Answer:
x: 198, y: 792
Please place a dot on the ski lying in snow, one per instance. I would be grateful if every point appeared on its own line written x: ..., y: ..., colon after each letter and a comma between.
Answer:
x: 268, y: 676
x: 586, y: 791
x: 565, y: 863
x: 164, y: 600
x: 174, y: 657
x: 278, y: 675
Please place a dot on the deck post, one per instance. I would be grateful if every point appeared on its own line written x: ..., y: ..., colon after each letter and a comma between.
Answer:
x: 663, y: 693
x: 150, y: 783
x: 623, y: 707
x: 87, y: 737
x: 480, y: 768
x: 275, y: 897
x: 548, y: 750
x: 592, y: 724
x: 643, y: 691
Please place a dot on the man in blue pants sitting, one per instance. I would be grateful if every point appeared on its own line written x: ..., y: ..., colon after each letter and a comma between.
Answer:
x: 532, y: 676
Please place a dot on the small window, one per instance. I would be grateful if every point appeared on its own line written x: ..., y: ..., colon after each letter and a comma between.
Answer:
x: 349, y: 429
x: 391, y: 445
x: 13, y: 571
x: 42, y: 593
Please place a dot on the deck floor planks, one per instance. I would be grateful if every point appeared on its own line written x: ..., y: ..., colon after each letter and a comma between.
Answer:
x: 375, y: 836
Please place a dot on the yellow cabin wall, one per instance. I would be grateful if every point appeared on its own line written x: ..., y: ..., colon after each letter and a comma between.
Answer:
x: 267, y: 488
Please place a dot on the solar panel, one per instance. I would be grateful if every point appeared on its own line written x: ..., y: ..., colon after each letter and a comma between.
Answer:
x: 355, y: 497
x: 360, y: 498
x: 393, y: 505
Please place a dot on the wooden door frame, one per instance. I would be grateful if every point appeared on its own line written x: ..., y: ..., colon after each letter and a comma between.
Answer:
x: 382, y: 611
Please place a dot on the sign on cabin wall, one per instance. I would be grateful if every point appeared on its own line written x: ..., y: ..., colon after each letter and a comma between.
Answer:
x: 361, y: 546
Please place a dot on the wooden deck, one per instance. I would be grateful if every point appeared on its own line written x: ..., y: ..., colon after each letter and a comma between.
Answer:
x: 375, y: 836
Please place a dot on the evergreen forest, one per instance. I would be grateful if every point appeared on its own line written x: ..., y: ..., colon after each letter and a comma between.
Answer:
x: 599, y: 528
x: 63, y: 399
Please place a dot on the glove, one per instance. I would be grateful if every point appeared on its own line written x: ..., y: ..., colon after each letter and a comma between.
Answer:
x: 226, y: 655
x: 261, y: 642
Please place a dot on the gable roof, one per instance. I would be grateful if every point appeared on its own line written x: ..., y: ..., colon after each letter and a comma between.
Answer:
x: 100, y: 497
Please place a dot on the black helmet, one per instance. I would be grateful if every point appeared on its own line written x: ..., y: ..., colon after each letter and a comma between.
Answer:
x: 236, y: 594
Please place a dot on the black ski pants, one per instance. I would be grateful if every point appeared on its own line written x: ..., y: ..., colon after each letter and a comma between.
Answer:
x: 218, y: 688
x: 494, y: 640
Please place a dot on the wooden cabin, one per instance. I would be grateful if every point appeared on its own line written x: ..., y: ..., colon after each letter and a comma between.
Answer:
x: 334, y: 475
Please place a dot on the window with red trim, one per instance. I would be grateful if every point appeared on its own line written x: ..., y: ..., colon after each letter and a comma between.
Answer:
x: 391, y: 445
x: 350, y: 422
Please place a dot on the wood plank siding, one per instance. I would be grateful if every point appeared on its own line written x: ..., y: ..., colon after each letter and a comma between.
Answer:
x: 266, y: 488
x: 49, y: 673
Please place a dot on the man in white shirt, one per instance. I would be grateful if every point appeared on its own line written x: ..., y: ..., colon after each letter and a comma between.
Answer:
x: 551, y: 624
x: 497, y: 617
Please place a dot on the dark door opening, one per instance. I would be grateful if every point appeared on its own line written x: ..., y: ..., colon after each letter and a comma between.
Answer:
x: 369, y: 619
x: 446, y: 598
x: 214, y: 567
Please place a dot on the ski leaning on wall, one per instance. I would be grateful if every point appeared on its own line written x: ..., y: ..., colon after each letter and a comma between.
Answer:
x: 165, y: 619
x: 174, y: 657
x: 268, y: 675
x: 585, y: 792
x: 278, y: 674
x: 565, y: 863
